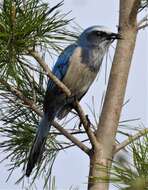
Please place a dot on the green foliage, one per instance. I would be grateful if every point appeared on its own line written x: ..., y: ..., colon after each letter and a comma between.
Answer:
x: 133, y: 175
x: 28, y: 26
x: 31, y: 25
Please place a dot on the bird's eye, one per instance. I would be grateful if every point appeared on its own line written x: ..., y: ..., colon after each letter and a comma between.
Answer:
x: 102, y: 34
x: 98, y: 33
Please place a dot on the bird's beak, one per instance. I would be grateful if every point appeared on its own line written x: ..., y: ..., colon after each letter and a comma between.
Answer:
x: 115, y: 36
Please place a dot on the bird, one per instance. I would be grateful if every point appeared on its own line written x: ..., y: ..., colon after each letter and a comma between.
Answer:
x: 77, y: 67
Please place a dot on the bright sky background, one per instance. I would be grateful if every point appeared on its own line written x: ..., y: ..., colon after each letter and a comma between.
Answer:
x: 71, y: 166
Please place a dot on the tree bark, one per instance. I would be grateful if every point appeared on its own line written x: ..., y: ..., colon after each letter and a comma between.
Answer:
x: 103, y: 151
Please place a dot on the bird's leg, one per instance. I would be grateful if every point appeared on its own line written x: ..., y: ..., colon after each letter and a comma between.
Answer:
x: 88, y: 120
x: 70, y: 100
x: 89, y: 123
x: 80, y: 123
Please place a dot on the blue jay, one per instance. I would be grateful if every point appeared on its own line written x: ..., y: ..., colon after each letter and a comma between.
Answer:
x: 76, y: 67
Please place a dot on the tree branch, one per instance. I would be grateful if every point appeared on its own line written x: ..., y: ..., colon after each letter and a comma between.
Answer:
x: 130, y: 139
x: 76, y: 104
x: 33, y: 107
x: 19, y: 94
x: 72, y: 138
x: 43, y: 64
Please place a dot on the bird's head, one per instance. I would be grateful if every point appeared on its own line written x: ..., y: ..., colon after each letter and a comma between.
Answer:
x: 97, y: 36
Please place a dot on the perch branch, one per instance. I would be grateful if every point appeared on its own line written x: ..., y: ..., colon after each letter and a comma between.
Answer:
x: 43, y: 64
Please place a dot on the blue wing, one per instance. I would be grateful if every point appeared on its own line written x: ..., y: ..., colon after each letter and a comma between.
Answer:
x: 61, y: 65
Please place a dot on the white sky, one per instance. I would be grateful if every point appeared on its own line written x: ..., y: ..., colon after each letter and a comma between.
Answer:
x: 71, y: 166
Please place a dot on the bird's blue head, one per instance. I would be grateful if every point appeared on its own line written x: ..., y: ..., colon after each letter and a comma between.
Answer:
x: 97, y: 37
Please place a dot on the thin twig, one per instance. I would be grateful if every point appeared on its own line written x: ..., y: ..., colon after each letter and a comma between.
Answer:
x: 130, y: 139
x: 142, y: 8
x: 71, y: 145
x: 76, y: 104
x: 143, y: 22
x: 34, y: 69
x: 72, y: 133
x: 33, y: 107
x: 143, y: 26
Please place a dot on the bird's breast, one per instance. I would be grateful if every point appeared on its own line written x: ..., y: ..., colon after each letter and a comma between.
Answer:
x: 80, y: 74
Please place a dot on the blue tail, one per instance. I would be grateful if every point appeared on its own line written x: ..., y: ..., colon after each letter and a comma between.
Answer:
x: 39, y: 143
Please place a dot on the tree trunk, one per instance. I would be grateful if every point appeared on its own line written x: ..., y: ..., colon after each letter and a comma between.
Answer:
x: 99, y: 170
x: 103, y: 151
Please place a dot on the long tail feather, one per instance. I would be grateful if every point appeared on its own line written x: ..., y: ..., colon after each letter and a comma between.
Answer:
x: 38, y: 144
